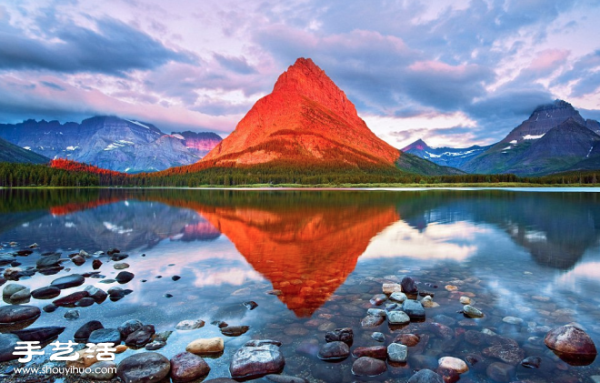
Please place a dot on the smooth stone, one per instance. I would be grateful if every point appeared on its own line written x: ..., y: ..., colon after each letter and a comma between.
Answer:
x: 73, y: 280
x: 409, y: 340
x: 377, y: 352
x: 40, y: 334
x: 378, y: 299
x: 71, y: 315
x: 8, y: 342
x: 398, y: 297
x: 141, y: 337
x: 414, y: 309
x: 250, y: 305
x: 234, y: 330
x: 71, y: 299
x: 155, y: 345
x: 258, y: 358
x: 105, y: 335
x: 376, y: 312
x: 50, y: 308
x: 190, y: 324
x: 85, y: 302
x: 512, y: 320
x: 426, y: 376
x: 121, y: 266
x: 572, y: 341
x: 78, y: 260
x: 48, y: 261
x: 379, y: 337
x: 500, y: 372
x: 21, y: 295
x: 96, y: 263
x: 345, y: 335
x: 15, y: 314
x: 98, y: 295
x: 145, y: 367
x: 409, y: 286
x: 371, y: 321
x: 47, y: 292
x: 334, y: 351
x: 472, y: 312
x: 398, y: 318
x: 453, y: 364
x: 124, y: 277
x: 206, y: 346
x: 428, y: 302
x: 390, y: 288
x: 187, y: 367
x: 397, y: 352
x: 83, y: 333
x: 130, y: 326
x: 366, y: 366
x: 103, y: 370
x: 507, y: 352
x: 163, y: 336
x: 284, y: 379
x: 465, y: 300
x: 11, y: 289
x: 531, y: 362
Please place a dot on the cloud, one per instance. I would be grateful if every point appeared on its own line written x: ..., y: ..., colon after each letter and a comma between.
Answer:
x: 112, y: 47
x: 236, y: 64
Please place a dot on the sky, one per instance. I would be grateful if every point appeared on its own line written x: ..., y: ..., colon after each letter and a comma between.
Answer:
x: 454, y: 73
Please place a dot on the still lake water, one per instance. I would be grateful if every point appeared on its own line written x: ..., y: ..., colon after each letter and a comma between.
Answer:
x: 526, y: 254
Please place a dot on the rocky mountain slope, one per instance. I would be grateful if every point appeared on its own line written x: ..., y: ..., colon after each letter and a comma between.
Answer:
x: 444, y: 156
x: 14, y: 153
x: 111, y: 143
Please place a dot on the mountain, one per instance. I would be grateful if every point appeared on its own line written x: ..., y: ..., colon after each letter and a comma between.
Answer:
x: 110, y: 142
x: 308, y: 122
x: 524, y: 151
x: 444, y: 156
x: 14, y: 153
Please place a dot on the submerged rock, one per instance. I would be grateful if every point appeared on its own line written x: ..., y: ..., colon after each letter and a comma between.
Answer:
x: 190, y: 324
x: 145, y: 367
x: 426, y: 376
x: 472, y: 312
x: 345, y: 335
x: 73, y: 280
x: 83, y: 333
x: 397, y: 352
x: 10, y: 315
x: 187, y: 367
x: 377, y: 352
x: 398, y: 318
x: 572, y: 344
x: 366, y: 366
x: 414, y: 309
x: 258, y: 358
x: 40, y: 334
x: 140, y: 337
x: 334, y: 351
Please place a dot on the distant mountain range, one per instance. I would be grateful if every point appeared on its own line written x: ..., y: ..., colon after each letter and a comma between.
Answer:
x: 554, y: 139
x: 13, y: 153
x: 308, y: 123
x: 110, y: 142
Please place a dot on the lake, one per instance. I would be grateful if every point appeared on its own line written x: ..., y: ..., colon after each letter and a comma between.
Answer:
x: 313, y: 260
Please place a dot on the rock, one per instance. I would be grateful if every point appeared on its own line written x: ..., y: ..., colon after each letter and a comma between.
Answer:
x: 187, y: 367
x: 377, y: 352
x: 397, y: 352
x: 409, y: 286
x: 428, y: 302
x: 451, y: 288
x: 398, y: 318
x: 465, y: 300
x: 258, y: 358
x: 372, y: 321
x: 453, y: 364
x: 398, y: 297
x: 71, y: 299
x: 390, y: 288
x: 72, y: 315
x: 163, y: 336
x: 379, y: 337
x: 250, y: 305
x: 512, y: 320
x: 365, y: 366
x: 378, y: 299
x: 145, y: 367
x: 21, y: 296
x: 531, y: 362
x: 284, y: 379
x: 155, y: 345
x: 140, y: 337
x: 175, y: 278
x: 334, y: 351
x: 206, y: 346
x: 124, y: 277
x: 425, y: 376
x: 83, y: 333
x: 8, y: 342
x: 103, y: 370
x: 40, y: 334
x: 105, y: 335
x: 234, y: 330
x: 78, y: 260
x: 73, y: 280
x: 409, y: 340
x: 190, y: 324
x: 376, y: 312
x: 414, y: 309
x: 345, y: 335
x: 507, y: 352
x: 129, y: 327
x: 121, y: 266
x: 96, y: 263
x: 98, y: 295
x: 472, y: 312
x: 500, y: 372
x: 50, y: 308
x: 11, y: 289
x: 85, y: 302
x: 572, y: 344
x: 118, y: 257
x: 10, y: 315
x: 47, y: 292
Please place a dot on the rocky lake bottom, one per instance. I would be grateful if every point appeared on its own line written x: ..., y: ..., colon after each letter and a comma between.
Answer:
x: 425, y: 286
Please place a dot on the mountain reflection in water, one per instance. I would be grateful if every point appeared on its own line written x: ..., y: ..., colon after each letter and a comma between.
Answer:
x: 306, y: 243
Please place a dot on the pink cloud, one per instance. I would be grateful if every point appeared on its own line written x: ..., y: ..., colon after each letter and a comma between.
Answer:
x: 549, y: 59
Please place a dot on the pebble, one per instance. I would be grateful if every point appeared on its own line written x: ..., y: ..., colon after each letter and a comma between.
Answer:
x: 390, y: 288
x: 145, y: 367
x: 47, y: 292
x: 379, y: 337
x: 124, y: 277
x: 428, y: 302
x: 409, y: 340
x: 409, y: 286
x: 376, y: 312
x: 72, y: 315
x: 378, y: 299
x: 512, y: 320
x: 121, y: 266
x: 532, y: 362
x: 11, y: 289
x: 155, y: 345
x: 366, y: 366
x: 465, y: 300
x: 398, y: 297
x: 206, y: 346
x: 398, y: 318
x: 18, y: 314
x: 129, y: 327
x: 371, y: 321
x: 345, y: 335
x: 41, y: 334
x: 187, y: 367
x: 426, y: 376
x: 141, y: 337
x: 451, y: 288
x: 453, y: 364
x: 105, y: 335
x: 397, y: 352
x: 258, y: 358
x: 378, y: 352
x: 83, y: 333
x: 190, y: 324
x: 414, y: 309
x: 500, y: 372
x: 73, y: 280
x: 234, y: 330
x: 573, y: 343
x: 334, y: 351
x: 472, y: 312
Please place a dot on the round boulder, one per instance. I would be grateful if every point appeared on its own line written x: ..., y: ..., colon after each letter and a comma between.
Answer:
x: 146, y: 367
x: 572, y: 345
x: 366, y: 366
x: 187, y: 367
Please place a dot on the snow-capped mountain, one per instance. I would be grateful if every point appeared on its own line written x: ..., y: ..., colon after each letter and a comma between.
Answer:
x: 453, y: 157
x: 110, y: 142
